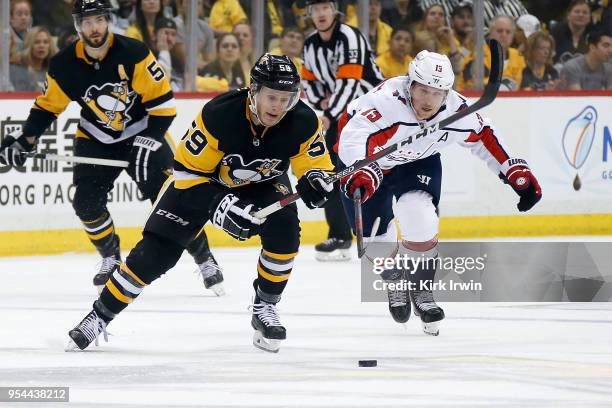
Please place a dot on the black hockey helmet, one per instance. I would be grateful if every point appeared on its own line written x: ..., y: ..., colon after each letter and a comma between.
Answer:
x: 275, y: 72
x: 84, y: 8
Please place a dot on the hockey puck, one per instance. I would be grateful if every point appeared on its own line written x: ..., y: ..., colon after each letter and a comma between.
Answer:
x: 368, y: 363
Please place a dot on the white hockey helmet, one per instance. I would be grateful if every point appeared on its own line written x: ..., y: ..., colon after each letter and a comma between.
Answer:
x: 431, y: 69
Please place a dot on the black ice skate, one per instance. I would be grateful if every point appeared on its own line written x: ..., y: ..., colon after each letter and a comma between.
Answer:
x: 268, y: 329
x: 431, y: 314
x: 211, y: 275
x: 333, y: 250
x: 109, y: 265
x: 87, y: 331
x: 397, y: 292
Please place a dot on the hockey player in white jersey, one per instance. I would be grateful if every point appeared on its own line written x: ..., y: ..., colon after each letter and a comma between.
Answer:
x: 391, y: 112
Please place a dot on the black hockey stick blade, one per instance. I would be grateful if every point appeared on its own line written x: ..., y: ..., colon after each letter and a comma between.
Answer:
x: 488, y: 96
x: 358, y: 222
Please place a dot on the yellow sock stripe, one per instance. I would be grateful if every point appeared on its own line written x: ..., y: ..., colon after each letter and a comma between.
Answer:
x: 282, y: 257
x: 270, y: 277
x: 105, y: 233
x: 127, y: 270
x: 117, y: 294
x: 100, y: 218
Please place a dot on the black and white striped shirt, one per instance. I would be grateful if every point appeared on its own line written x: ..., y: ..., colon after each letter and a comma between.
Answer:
x: 342, y: 68
x: 492, y: 8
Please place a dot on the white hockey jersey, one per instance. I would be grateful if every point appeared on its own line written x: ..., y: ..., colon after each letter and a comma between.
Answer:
x: 383, y: 117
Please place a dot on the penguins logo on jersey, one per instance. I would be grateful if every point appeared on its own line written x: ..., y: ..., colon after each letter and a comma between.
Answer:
x: 234, y: 173
x: 110, y: 103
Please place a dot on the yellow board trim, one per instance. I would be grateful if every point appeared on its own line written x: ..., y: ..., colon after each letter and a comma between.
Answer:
x: 106, y: 232
x: 41, y: 242
x: 120, y: 296
x: 272, y: 278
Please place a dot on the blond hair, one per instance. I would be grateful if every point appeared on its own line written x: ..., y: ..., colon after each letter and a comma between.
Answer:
x: 26, y: 55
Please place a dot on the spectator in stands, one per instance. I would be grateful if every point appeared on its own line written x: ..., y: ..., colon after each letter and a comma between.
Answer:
x: 291, y: 44
x: 539, y: 74
x: 447, y: 5
x: 433, y: 34
x: 404, y: 13
x: 56, y: 15
x: 462, y: 23
x: 302, y: 20
x: 592, y: 71
x: 147, y: 13
x: 526, y: 25
x: 273, y: 20
x: 394, y: 62
x: 165, y: 42
x: 502, y: 29
x: 225, y: 14
x: 379, y: 31
x: 511, y: 8
x: 227, y: 64
x: 123, y: 16
x: 20, y: 21
x: 570, y: 35
x: 31, y: 74
x: 204, y: 34
x: 244, y: 32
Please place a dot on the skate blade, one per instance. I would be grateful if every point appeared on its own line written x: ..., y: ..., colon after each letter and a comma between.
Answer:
x: 218, y: 289
x: 100, y: 288
x: 337, y: 255
x: 262, y: 343
x: 432, y: 329
x: 71, y: 347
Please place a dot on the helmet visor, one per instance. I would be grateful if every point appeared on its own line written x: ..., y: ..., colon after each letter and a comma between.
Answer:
x: 275, y: 99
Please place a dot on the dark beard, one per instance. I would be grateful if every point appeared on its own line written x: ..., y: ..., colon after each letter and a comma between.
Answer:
x: 91, y: 44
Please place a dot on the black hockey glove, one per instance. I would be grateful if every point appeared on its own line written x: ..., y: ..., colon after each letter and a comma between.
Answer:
x: 12, y: 149
x: 313, y: 189
x: 140, y: 156
x: 234, y: 217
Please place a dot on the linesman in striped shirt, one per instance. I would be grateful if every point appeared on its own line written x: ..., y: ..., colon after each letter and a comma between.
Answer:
x: 338, y: 67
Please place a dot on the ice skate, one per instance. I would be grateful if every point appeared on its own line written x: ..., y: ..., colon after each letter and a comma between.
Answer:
x: 109, y: 265
x: 212, y: 275
x: 269, y: 331
x: 397, y: 292
x: 426, y: 308
x: 333, y: 250
x: 87, y: 331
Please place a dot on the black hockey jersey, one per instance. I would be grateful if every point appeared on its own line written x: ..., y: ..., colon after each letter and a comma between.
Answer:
x: 224, y: 147
x: 117, y: 94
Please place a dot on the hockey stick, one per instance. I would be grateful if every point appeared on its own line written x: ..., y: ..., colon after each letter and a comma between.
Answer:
x: 79, y: 159
x: 358, y: 222
x: 488, y: 96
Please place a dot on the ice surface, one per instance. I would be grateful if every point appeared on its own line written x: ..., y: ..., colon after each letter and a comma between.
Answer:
x: 179, y: 345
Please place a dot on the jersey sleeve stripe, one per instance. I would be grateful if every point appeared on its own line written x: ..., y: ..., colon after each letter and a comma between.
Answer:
x: 354, y: 71
x: 164, y: 101
x: 308, y: 75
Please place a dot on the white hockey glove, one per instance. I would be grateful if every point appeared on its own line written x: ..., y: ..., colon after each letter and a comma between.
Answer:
x: 140, y: 155
x: 234, y: 217
x: 12, y: 150
x: 313, y: 189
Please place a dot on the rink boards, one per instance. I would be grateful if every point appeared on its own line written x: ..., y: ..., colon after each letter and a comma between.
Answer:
x: 566, y: 140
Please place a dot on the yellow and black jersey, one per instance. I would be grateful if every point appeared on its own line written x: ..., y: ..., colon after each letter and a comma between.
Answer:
x: 224, y: 147
x: 120, y: 96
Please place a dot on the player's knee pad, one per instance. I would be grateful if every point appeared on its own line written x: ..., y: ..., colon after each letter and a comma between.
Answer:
x: 417, y: 216
x: 281, y: 231
x: 153, y: 256
x: 89, y: 201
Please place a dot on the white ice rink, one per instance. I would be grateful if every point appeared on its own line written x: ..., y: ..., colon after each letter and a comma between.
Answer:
x: 178, y: 345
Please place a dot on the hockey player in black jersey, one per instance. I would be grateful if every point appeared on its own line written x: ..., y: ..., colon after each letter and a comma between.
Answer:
x: 232, y: 160
x: 127, y: 106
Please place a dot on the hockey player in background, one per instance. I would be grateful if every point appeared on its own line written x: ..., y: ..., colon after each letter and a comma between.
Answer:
x: 223, y: 171
x: 127, y: 107
x: 392, y: 112
x: 338, y: 67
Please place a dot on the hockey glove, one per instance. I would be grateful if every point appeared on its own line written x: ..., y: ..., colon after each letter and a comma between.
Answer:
x: 140, y: 157
x: 367, y: 179
x: 313, y: 189
x: 234, y: 217
x: 12, y: 149
x: 523, y: 182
